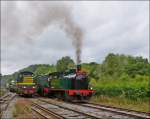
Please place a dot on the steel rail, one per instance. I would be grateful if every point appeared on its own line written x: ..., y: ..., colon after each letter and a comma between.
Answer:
x: 3, y: 98
x: 49, y: 112
x: 6, y: 102
x: 83, y: 113
x: 39, y: 112
x: 136, y: 114
x: 120, y: 111
x: 141, y: 112
x: 73, y: 110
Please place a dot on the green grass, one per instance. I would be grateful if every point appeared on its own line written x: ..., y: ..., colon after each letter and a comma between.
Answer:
x: 2, y: 92
x: 138, y: 105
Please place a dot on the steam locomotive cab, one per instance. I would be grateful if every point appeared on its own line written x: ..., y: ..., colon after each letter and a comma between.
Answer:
x: 78, y: 90
x: 80, y: 81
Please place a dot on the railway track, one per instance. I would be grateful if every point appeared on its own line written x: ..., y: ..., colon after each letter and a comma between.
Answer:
x: 3, y: 98
x: 51, y: 111
x: 136, y: 114
x: 87, y: 111
x: 4, y: 102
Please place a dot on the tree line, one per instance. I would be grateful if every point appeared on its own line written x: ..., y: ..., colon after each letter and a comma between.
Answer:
x: 114, y: 66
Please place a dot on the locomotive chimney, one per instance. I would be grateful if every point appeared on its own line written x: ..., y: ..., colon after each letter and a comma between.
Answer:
x: 78, y: 67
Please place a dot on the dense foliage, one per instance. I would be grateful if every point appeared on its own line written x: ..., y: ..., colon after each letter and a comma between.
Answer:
x: 133, y: 88
x: 116, y: 65
x: 121, y: 75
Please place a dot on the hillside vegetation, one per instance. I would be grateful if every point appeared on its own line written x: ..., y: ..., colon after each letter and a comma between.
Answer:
x: 121, y: 75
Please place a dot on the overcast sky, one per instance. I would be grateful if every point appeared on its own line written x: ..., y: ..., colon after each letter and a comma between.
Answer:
x: 113, y: 26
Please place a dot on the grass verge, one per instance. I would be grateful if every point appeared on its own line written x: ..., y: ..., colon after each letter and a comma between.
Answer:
x: 2, y: 92
x: 137, y: 105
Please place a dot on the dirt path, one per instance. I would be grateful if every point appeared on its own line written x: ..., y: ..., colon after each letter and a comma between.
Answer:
x: 22, y: 109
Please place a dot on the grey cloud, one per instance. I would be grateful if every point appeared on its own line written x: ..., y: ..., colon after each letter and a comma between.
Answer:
x: 119, y: 27
x: 126, y: 30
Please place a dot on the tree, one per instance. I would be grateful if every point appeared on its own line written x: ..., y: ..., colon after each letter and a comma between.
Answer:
x: 116, y: 65
x: 112, y: 65
x: 44, y: 69
x: 64, y: 64
x: 137, y: 65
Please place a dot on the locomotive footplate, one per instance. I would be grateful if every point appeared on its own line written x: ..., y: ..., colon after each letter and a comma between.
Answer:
x: 80, y: 92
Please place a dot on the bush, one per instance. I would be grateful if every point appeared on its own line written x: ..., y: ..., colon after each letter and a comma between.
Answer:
x: 125, y: 86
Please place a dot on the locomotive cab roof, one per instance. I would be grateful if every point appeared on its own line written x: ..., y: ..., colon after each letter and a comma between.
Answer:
x: 26, y: 73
